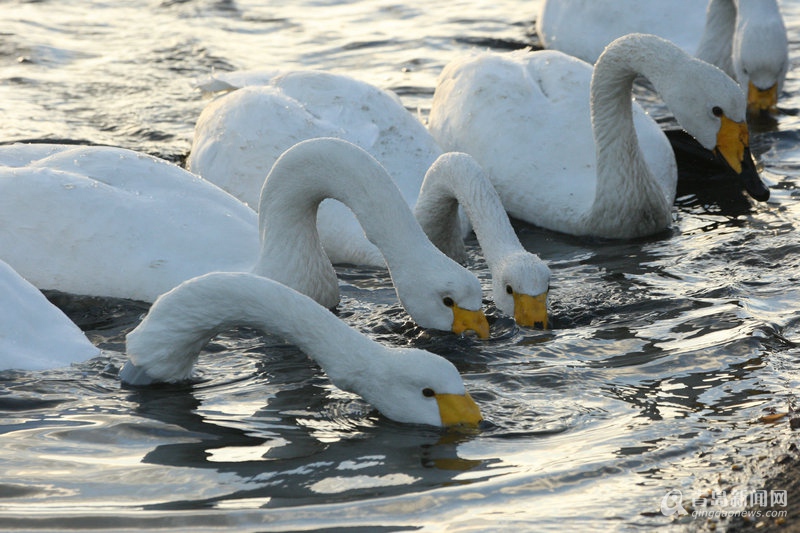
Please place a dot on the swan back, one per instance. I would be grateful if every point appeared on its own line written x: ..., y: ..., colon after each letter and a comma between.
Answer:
x: 318, y: 169
x: 111, y: 222
x: 166, y: 345
x: 240, y: 135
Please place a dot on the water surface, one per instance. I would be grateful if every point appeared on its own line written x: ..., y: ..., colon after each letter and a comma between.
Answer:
x: 664, y: 354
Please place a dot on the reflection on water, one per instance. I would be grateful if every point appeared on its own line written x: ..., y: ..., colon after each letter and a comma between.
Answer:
x: 663, y: 355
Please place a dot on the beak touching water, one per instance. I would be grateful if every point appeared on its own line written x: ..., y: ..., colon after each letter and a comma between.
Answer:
x: 530, y: 310
x: 466, y: 320
x: 733, y: 145
x: 761, y: 101
x: 458, y: 410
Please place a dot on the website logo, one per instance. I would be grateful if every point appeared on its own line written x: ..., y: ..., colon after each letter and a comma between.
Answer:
x: 672, y: 503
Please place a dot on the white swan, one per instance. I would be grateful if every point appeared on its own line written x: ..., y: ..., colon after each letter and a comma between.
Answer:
x: 239, y: 135
x: 35, y: 334
x: 405, y: 384
x: 745, y: 38
x: 609, y: 172
x: 111, y: 222
x: 520, y: 280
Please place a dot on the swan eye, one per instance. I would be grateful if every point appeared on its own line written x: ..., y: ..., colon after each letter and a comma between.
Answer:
x: 428, y: 392
x: 717, y: 110
x: 448, y: 301
x: 509, y: 290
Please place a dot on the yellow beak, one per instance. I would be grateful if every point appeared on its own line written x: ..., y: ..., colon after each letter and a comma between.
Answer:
x: 530, y: 310
x: 466, y: 320
x: 762, y: 100
x: 458, y: 410
x: 733, y: 139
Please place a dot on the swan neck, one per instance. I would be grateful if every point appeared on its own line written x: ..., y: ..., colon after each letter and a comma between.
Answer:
x: 716, y: 43
x: 618, y: 151
x: 291, y: 251
x: 304, y: 176
x: 436, y: 212
x: 456, y: 179
x: 181, y: 322
x: 627, y: 194
x: 309, y: 173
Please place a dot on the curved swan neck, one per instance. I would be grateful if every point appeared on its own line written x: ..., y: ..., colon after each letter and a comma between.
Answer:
x: 436, y: 211
x: 315, y: 170
x: 456, y: 179
x: 627, y: 194
x: 716, y: 44
x: 167, y: 342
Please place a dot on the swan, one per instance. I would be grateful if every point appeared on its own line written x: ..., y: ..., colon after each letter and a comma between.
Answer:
x: 239, y: 135
x: 745, y: 38
x: 35, y: 334
x: 110, y: 222
x: 608, y: 171
x: 405, y: 384
x: 520, y: 280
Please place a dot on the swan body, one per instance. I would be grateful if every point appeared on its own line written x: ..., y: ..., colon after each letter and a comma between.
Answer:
x: 111, y: 222
x: 239, y: 135
x: 745, y: 38
x: 35, y: 334
x: 565, y: 147
x: 520, y: 280
x: 107, y: 221
x: 405, y: 384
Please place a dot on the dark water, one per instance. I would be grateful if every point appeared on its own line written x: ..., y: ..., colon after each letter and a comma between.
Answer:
x: 664, y: 355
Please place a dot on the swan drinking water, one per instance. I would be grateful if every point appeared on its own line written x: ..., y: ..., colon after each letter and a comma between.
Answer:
x: 566, y: 148
x: 520, y: 280
x: 405, y: 384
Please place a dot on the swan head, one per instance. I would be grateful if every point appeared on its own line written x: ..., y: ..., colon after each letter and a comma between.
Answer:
x: 442, y: 295
x: 417, y: 387
x: 760, y: 56
x: 519, y: 288
x: 712, y: 108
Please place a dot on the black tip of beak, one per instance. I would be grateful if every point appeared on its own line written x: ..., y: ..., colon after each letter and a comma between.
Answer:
x: 700, y: 168
x: 485, y: 425
x: 751, y: 180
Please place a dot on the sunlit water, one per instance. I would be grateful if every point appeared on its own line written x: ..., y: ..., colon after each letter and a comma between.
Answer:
x: 663, y: 357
